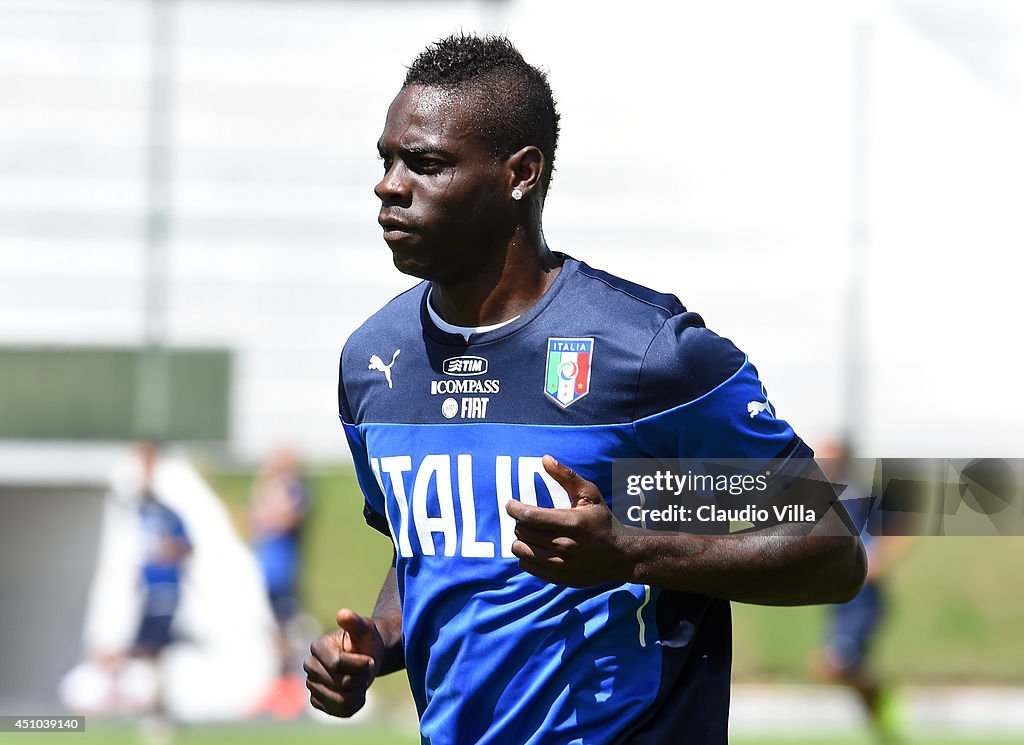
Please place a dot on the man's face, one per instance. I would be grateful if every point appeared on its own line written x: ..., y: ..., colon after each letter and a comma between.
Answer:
x: 444, y: 195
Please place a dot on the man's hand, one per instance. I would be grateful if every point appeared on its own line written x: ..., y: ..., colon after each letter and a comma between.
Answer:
x: 342, y: 665
x: 581, y: 546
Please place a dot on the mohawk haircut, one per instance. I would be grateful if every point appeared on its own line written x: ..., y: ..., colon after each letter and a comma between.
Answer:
x: 519, y: 108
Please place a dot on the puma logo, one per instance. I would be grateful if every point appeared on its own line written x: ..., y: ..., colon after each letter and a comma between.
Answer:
x: 376, y: 363
x: 756, y: 407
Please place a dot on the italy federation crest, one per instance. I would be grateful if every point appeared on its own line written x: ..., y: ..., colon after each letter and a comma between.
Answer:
x: 568, y: 369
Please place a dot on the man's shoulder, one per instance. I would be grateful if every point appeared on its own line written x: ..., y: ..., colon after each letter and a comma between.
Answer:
x: 399, y: 316
x: 676, y: 335
x: 627, y: 292
x: 680, y: 359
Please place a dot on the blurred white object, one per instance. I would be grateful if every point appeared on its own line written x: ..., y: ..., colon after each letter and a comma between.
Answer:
x: 111, y: 686
x: 88, y: 688
x: 223, y: 622
x: 137, y: 686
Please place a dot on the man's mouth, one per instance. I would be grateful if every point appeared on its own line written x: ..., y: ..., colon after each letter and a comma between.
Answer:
x: 394, y: 228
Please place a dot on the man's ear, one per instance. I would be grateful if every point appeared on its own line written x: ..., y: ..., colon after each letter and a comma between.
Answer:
x: 525, y: 168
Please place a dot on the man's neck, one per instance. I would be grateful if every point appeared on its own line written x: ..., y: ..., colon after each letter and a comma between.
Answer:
x: 500, y: 292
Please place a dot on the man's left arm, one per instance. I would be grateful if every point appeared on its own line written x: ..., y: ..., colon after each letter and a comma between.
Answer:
x: 586, y: 545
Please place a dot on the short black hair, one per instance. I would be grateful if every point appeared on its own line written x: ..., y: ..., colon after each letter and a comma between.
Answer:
x: 523, y: 111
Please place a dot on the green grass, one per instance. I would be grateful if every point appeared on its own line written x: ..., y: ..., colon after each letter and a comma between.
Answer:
x: 243, y: 734
x: 957, y: 607
x: 276, y: 734
x: 867, y: 740
x: 956, y: 611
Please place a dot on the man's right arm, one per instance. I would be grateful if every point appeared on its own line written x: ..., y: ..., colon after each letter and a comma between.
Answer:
x: 344, y: 663
x: 387, y: 615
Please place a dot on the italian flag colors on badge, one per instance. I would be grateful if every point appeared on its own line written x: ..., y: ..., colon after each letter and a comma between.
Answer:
x: 568, y: 369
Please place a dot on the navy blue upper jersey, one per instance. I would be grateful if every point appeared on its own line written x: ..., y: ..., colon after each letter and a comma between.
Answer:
x: 164, y: 543
x: 444, y: 432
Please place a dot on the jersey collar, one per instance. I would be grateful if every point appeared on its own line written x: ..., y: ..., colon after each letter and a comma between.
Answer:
x: 569, y: 266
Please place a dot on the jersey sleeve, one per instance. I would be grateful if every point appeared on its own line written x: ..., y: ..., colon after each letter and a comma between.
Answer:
x: 699, y: 396
x: 373, y: 505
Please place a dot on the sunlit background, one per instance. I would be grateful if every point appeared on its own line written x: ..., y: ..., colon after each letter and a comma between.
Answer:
x: 188, y: 236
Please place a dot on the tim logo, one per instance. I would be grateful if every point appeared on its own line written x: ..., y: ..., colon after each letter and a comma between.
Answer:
x: 467, y: 365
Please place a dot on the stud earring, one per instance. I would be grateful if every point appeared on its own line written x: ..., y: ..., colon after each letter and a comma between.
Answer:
x: 517, y: 194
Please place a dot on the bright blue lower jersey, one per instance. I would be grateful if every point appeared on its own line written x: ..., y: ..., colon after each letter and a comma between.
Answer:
x: 444, y: 432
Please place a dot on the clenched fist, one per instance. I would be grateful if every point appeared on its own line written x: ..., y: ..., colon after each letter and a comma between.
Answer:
x: 343, y: 664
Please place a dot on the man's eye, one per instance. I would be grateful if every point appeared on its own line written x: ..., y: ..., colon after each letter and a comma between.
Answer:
x: 427, y: 165
x: 385, y: 161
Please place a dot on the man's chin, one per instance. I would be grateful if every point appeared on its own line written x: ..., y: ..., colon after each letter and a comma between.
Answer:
x: 411, y: 265
x: 430, y: 272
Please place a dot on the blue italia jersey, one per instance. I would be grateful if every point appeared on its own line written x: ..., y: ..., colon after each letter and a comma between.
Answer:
x: 444, y: 432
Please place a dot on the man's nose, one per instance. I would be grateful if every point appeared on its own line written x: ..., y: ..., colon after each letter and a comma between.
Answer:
x: 393, y: 187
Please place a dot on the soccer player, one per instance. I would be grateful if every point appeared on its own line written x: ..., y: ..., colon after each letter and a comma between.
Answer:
x: 278, y: 509
x: 522, y: 610
x: 853, y: 627
x: 166, y: 548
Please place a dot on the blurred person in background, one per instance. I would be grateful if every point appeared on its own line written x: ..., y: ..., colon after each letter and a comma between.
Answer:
x: 118, y: 683
x: 852, y: 628
x: 278, y: 508
x: 176, y: 603
x: 165, y: 550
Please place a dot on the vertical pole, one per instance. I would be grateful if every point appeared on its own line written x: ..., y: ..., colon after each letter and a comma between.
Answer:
x: 855, y: 337
x: 152, y: 403
x: 493, y: 16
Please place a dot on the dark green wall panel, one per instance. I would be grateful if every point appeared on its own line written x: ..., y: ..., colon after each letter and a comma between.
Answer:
x: 94, y: 393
